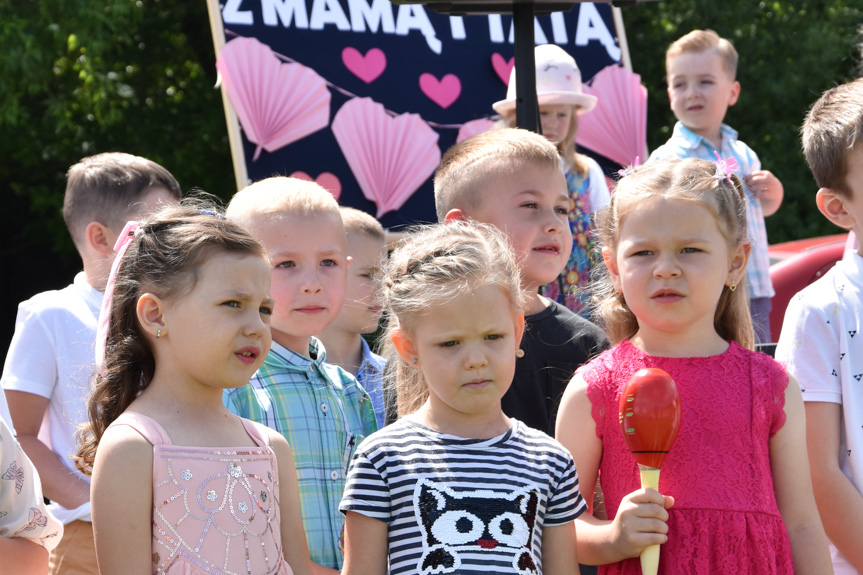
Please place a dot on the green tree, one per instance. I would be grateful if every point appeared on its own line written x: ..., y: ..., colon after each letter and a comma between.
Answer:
x: 790, y: 52
x: 79, y: 77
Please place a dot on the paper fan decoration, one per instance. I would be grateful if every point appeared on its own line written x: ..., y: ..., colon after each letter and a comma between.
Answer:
x: 277, y: 103
x: 617, y: 127
x: 389, y: 156
x: 473, y: 128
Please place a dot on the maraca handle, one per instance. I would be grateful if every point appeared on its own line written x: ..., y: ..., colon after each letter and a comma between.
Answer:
x: 650, y: 555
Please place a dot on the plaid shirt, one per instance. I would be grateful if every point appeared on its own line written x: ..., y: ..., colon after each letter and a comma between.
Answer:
x: 684, y: 143
x: 324, y: 415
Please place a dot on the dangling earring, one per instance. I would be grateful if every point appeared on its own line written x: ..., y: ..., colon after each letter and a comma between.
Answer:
x: 732, y: 287
x: 519, y: 353
x: 158, y: 333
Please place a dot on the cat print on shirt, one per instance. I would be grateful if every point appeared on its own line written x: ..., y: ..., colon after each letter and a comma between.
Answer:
x: 455, y: 524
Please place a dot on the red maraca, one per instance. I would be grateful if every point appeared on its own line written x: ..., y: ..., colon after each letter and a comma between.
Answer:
x: 650, y: 420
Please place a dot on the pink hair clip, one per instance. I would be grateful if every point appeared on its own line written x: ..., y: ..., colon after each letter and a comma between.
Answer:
x: 123, y: 240
x: 630, y: 168
x: 724, y: 167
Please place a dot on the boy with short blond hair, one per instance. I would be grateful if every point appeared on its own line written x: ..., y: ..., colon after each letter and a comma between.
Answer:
x: 513, y: 179
x: 822, y: 335
x: 701, y: 69
x: 361, y: 311
x: 51, y: 357
x: 318, y: 407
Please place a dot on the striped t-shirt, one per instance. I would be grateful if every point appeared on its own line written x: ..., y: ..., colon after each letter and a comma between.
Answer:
x: 457, y: 505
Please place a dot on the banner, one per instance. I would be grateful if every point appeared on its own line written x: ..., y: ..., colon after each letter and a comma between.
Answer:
x: 365, y: 96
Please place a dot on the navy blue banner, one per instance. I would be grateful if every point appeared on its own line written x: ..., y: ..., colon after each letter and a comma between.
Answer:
x: 447, y: 70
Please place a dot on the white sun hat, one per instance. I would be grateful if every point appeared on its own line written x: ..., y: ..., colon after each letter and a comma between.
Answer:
x: 558, y: 81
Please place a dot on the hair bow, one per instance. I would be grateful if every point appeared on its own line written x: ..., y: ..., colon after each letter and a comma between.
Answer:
x: 630, y: 168
x: 724, y: 167
x: 120, y: 247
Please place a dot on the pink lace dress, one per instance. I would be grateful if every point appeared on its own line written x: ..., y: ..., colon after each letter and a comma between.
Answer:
x: 215, y: 510
x: 725, y: 519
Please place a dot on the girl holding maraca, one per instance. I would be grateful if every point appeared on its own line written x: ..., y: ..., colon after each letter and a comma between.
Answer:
x: 737, y: 496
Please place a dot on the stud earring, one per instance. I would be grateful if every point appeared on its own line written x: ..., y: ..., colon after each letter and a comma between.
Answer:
x: 519, y: 353
x: 415, y: 361
x: 732, y: 287
x: 158, y: 333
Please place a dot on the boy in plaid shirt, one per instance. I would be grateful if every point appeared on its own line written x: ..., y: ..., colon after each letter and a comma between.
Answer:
x: 320, y: 409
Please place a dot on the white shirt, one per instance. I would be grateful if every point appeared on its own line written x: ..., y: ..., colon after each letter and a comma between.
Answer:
x: 822, y: 346
x: 51, y: 355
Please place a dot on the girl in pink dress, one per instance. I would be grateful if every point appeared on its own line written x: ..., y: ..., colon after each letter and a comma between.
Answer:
x: 180, y: 485
x: 736, y: 492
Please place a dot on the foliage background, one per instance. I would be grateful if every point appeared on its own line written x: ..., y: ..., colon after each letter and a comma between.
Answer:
x: 78, y: 77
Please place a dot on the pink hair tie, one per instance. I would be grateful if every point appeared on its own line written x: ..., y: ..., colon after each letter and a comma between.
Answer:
x: 123, y: 241
x: 724, y: 167
x: 630, y: 168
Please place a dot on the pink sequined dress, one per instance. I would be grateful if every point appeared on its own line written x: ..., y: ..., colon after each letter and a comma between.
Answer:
x: 725, y: 518
x: 215, y: 510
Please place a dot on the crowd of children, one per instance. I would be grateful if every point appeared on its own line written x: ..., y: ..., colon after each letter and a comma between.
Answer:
x: 206, y: 397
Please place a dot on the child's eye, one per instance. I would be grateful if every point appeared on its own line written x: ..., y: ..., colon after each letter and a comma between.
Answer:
x: 367, y: 276
x: 451, y: 343
x: 689, y: 250
x: 494, y: 336
x: 643, y: 253
x: 287, y: 264
x: 328, y: 263
x: 232, y: 303
x: 529, y: 205
x: 265, y: 310
x: 562, y: 211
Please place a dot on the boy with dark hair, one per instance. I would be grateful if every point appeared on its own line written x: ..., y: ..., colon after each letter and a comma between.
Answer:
x: 51, y: 357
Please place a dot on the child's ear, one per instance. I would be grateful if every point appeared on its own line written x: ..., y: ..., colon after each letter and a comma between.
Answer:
x: 519, y: 328
x: 737, y: 265
x: 404, y: 345
x: 611, y: 265
x: 455, y: 215
x: 735, y: 93
x: 151, y: 314
x: 98, y: 238
x: 832, y: 205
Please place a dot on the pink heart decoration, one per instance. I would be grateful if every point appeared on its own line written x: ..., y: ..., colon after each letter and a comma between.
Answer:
x: 442, y: 92
x: 276, y: 103
x: 367, y: 68
x: 389, y: 156
x: 502, y: 67
x: 329, y: 182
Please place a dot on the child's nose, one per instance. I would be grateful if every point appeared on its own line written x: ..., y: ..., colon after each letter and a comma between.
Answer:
x: 312, y: 282
x: 476, y: 357
x: 666, y: 266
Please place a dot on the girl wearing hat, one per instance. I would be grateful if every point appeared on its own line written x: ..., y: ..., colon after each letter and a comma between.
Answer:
x: 558, y: 91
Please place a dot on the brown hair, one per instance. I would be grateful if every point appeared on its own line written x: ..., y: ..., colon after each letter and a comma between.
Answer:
x: 103, y: 188
x: 702, y: 41
x: 689, y: 180
x: 469, y: 167
x: 164, y: 257
x: 832, y: 130
x: 359, y: 222
x: 435, y: 265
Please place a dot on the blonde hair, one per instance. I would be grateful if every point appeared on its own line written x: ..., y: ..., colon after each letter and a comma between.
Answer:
x: 280, y: 196
x: 832, y: 130
x: 702, y: 41
x: 566, y: 146
x: 690, y: 180
x: 432, y: 267
x: 470, y: 167
x: 359, y: 222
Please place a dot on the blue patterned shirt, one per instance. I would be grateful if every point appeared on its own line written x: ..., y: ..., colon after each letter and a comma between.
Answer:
x: 371, y: 377
x: 324, y: 414
x: 684, y: 143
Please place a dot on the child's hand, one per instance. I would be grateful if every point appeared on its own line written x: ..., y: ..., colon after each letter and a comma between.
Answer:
x: 641, y: 521
x: 767, y: 189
